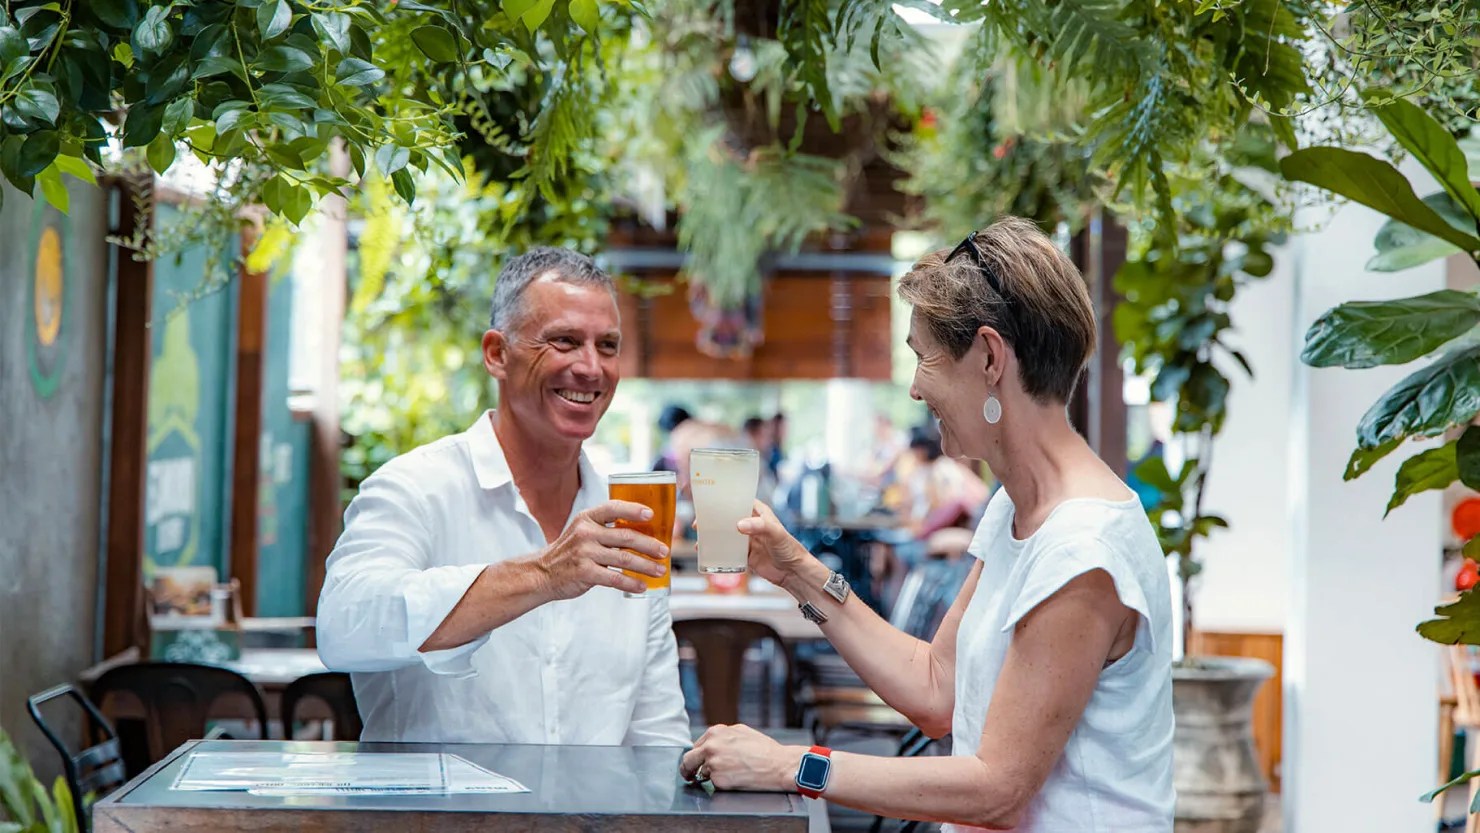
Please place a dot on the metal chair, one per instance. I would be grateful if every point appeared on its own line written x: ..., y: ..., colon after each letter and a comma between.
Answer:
x: 720, y: 646
x: 177, y: 699
x: 335, y: 689
x: 95, y: 771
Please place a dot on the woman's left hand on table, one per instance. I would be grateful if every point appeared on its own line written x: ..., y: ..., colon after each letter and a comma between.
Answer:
x: 740, y: 758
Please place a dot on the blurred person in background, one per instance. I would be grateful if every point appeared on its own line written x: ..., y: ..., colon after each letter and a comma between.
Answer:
x: 944, y: 490
x: 672, y: 417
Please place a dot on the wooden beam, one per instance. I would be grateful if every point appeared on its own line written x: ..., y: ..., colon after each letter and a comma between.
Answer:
x: 133, y: 290
x: 1097, y: 407
x: 246, y: 468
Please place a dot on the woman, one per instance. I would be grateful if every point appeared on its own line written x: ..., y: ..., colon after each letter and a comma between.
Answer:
x: 1052, y: 670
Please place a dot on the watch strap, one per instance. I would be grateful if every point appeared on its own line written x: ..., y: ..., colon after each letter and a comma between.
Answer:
x: 820, y: 751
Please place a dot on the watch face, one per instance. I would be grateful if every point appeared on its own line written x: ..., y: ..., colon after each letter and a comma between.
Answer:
x: 813, y: 772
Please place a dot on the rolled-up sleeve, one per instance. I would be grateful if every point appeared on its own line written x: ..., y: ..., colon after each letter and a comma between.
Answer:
x: 381, y: 600
x: 659, y: 717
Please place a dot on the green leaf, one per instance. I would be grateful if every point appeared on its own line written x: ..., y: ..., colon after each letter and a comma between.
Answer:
x: 77, y: 167
x: 284, y: 97
x: 1400, y: 246
x: 1471, y: 549
x: 283, y: 58
x: 537, y: 14
x: 436, y: 43
x: 391, y: 158
x: 10, y: 158
x: 1153, y: 472
x: 53, y: 189
x: 161, y: 153
x: 1370, y: 333
x: 1373, y: 183
x: 1433, y: 147
x: 273, y: 18
x: 37, y: 152
x: 272, y: 195
x: 142, y: 125
x: 585, y: 14
x: 1429, y: 797
x: 12, y: 45
x: 405, y: 186
x: 177, y: 116
x: 1458, y: 622
x: 38, y: 104
x: 354, y: 72
x: 1432, y: 469
x: 213, y: 65
x: 1467, y: 457
x: 1363, y: 459
x: 120, y: 14
x: 154, y: 33
x: 333, y: 27
x: 357, y: 160
x: 297, y: 201
x: 124, y: 54
x: 229, y: 115
x: 1427, y: 402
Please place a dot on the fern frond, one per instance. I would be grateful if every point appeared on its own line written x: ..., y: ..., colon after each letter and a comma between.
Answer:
x: 736, y: 211
x: 806, y: 30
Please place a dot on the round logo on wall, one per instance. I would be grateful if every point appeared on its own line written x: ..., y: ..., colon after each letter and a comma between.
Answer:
x: 46, y: 348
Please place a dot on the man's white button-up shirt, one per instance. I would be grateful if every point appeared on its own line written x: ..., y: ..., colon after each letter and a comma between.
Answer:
x: 600, y: 669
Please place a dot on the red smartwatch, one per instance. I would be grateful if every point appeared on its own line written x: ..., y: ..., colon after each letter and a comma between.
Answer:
x: 812, y: 774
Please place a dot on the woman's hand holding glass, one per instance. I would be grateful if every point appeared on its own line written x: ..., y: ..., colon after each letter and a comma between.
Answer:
x: 774, y: 555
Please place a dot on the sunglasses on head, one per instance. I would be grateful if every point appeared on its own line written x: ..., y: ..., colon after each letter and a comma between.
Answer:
x: 969, y: 246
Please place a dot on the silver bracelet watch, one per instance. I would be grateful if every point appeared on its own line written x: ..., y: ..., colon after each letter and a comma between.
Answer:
x: 835, y: 586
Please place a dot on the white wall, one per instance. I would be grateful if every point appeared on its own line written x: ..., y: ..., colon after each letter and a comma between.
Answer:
x: 1360, y: 685
x: 1244, y: 586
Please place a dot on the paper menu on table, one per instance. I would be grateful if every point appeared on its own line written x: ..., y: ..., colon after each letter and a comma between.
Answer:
x: 290, y: 773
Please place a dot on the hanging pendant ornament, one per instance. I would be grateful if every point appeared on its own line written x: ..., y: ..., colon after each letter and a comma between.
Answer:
x: 992, y: 411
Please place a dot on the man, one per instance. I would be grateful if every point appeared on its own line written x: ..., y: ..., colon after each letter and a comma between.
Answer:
x: 470, y: 595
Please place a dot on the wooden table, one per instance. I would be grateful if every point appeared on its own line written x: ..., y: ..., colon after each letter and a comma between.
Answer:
x: 572, y: 788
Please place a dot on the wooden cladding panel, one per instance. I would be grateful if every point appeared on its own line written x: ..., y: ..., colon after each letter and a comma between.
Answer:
x: 815, y: 327
x: 1269, y: 702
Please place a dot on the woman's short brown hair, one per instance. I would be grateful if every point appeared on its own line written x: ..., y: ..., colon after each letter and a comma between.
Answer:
x: 1043, y: 311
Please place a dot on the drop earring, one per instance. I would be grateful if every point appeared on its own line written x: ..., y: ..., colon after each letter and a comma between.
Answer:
x: 992, y: 410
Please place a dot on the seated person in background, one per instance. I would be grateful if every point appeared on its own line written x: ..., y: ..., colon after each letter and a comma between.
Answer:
x: 946, y: 493
x: 672, y: 417
x: 470, y: 596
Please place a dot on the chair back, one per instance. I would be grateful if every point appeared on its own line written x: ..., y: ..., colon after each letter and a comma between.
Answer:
x: 939, y: 582
x: 719, y: 647
x: 178, y: 699
x: 335, y: 689
x: 95, y: 771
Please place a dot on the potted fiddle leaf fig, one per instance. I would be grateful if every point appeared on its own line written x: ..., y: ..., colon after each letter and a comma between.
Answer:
x: 1174, y: 322
x: 1442, y: 397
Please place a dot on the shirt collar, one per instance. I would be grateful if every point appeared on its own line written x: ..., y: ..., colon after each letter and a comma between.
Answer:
x: 492, y: 467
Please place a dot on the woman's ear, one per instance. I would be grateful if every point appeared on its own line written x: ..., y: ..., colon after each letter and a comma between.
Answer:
x: 993, y: 354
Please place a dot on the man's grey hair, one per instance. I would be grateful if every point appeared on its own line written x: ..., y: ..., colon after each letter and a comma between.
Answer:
x: 518, y: 273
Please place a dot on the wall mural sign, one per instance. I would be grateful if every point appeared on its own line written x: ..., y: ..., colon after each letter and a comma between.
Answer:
x: 48, y: 283
x: 172, y: 524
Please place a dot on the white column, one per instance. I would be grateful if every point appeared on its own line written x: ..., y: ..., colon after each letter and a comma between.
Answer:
x: 1360, y: 685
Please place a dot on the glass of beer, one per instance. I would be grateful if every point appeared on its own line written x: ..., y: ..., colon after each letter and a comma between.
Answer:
x: 723, y: 482
x: 658, y: 491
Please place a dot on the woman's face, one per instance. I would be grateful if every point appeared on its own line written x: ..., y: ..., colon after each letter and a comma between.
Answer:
x: 953, y: 389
